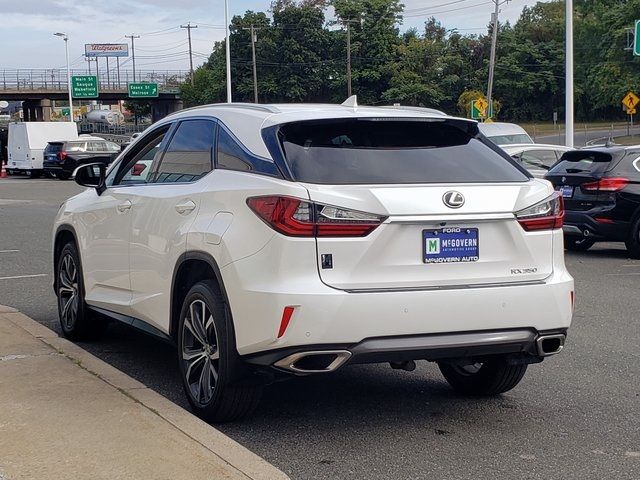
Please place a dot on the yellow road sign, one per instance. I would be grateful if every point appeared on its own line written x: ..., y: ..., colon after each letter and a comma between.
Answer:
x: 481, y: 104
x: 631, y: 111
x: 630, y: 100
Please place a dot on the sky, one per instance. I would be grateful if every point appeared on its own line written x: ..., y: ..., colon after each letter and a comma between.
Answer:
x: 28, y: 27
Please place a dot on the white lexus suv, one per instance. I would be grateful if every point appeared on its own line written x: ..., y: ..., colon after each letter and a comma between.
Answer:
x: 268, y: 241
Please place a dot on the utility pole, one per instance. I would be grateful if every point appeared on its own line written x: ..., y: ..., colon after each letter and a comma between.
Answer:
x: 188, y: 26
x: 492, y: 60
x: 569, y: 76
x: 254, y: 38
x: 227, y: 49
x: 133, y: 53
x: 348, y: 58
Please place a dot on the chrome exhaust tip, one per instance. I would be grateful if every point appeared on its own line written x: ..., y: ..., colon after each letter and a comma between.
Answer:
x: 321, y: 361
x: 548, y: 345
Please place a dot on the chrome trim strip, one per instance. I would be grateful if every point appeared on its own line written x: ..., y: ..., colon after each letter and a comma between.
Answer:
x: 445, y: 287
x: 450, y: 218
x: 445, y: 340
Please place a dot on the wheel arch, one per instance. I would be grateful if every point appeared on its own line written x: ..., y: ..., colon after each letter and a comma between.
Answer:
x: 64, y: 234
x: 192, y: 267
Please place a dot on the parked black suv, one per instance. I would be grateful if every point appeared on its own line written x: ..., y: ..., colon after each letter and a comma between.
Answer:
x: 601, y: 190
x: 62, y: 158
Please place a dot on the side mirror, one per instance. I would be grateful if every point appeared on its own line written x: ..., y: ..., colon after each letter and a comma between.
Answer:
x: 92, y: 175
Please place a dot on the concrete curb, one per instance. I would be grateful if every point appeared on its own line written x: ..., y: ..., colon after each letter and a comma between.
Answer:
x: 227, y: 449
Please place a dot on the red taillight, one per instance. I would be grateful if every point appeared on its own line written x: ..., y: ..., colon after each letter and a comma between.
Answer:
x: 62, y: 156
x: 299, y: 218
x: 545, y: 215
x: 612, y: 184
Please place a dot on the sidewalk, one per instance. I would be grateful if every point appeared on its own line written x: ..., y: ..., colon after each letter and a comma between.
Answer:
x: 64, y: 414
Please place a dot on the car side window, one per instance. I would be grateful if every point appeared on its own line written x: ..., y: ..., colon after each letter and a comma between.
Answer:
x: 112, y: 147
x: 96, y: 146
x: 229, y: 154
x: 189, y: 154
x: 76, y: 147
x: 136, y: 167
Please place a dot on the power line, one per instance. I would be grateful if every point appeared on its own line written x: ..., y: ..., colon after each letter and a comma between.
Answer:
x: 447, y: 11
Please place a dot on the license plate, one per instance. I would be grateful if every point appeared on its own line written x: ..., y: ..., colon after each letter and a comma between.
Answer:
x: 567, y: 191
x: 450, y: 245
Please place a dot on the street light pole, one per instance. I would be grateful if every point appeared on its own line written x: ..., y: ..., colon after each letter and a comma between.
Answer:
x: 492, y: 60
x: 65, y: 37
x: 569, y: 76
x: 228, y: 49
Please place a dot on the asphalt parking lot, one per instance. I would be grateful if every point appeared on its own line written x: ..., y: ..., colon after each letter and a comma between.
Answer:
x: 573, y: 417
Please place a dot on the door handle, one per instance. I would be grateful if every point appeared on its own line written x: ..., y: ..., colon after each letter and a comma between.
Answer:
x: 185, y: 207
x: 124, y: 206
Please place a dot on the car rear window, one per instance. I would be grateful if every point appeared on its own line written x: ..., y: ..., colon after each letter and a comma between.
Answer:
x: 388, y: 151
x: 582, y: 162
x: 53, y: 147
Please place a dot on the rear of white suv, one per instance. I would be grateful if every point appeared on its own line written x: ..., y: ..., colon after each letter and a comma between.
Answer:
x: 328, y: 236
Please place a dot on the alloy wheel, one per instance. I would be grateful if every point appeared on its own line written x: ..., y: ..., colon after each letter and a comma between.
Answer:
x: 200, y: 354
x: 68, y: 295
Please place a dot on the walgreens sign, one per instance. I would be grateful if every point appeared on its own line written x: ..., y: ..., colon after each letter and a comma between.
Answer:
x: 106, y: 50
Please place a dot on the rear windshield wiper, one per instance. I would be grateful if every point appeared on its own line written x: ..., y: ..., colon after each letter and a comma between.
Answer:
x: 575, y: 170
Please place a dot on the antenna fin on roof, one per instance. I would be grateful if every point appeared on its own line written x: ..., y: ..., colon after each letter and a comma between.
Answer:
x: 352, y: 101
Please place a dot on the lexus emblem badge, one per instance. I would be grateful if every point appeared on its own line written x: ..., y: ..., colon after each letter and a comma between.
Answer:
x: 453, y: 199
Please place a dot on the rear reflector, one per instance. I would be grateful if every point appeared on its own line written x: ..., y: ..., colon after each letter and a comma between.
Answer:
x: 573, y: 300
x: 286, y: 318
x: 545, y: 215
x: 612, y: 184
x: 300, y: 218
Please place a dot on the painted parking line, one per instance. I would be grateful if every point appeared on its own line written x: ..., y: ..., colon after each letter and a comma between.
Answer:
x: 15, y: 277
x: 622, y: 274
x: 9, y: 251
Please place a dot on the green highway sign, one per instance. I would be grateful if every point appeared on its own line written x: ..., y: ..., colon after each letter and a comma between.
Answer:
x: 143, y: 90
x: 636, y: 39
x: 84, y: 86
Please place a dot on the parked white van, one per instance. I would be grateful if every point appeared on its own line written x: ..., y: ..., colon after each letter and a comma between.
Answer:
x: 27, y: 141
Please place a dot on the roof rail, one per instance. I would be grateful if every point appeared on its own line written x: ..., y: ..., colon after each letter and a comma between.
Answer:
x: 415, y: 109
x: 250, y: 106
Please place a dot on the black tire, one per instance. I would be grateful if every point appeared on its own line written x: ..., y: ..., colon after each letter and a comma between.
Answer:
x: 633, y: 242
x: 63, y: 175
x: 207, y: 366
x: 488, y: 378
x: 578, y: 244
x: 76, y: 320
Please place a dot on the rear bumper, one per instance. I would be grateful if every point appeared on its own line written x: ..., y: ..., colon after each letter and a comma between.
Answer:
x: 329, y: 317
x: 54, y: 167
x: 520, y: 346
x: 584, y: 224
